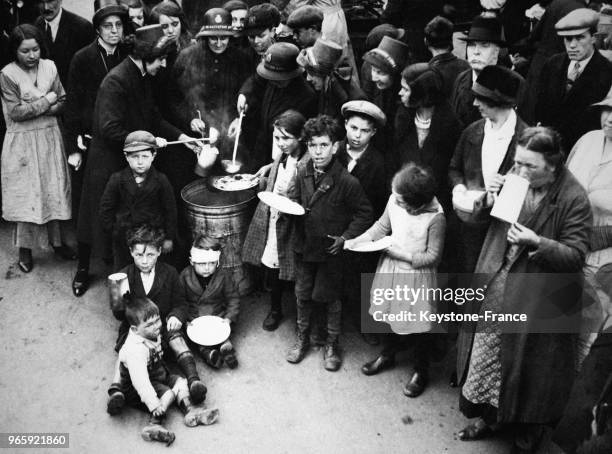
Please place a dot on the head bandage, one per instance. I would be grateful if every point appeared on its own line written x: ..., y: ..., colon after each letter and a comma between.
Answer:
x: 204, y: 255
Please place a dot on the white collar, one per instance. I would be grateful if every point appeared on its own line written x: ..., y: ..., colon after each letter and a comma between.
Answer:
x: 54, y: 23
x: 581, y: 63
x: 507, y: 129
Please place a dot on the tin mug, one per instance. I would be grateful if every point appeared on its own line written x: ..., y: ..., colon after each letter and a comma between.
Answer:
x: 117, y: 287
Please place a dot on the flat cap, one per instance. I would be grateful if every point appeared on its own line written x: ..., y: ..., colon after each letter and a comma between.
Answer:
x: 305, y: 16
x: 577, y: 22
x: 261, y: 17
x: 139, y: 141
x: 366, y: 108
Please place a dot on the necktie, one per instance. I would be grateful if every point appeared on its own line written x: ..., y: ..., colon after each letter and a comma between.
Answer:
x: 573, y: 75
x: 49, y: 34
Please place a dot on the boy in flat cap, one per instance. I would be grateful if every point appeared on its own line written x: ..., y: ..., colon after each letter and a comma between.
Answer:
x: 571, y: 81
x: 306, y: 24
x: 260, y: 28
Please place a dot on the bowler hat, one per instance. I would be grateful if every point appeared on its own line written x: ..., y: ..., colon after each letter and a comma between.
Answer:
x: 105, y: 8
x: 365, y: 108
x: 151, y: 43
x: 497, y: 85
x: 260, y: 18
x: 139, y: 141
x: 577, y: 22
x: 280, y: 62
x: 379, y: 32
x: 305, y: 16
x: 320, y: 59
x: 390, y: 56
x: 486, y: 28
x: 217, y: 22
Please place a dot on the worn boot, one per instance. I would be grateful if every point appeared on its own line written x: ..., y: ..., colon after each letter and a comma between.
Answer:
x: 297, y: 352
x: 154, y: 431
x: 195, y: 415
x: 229, y: 354
x: 116, y: 401
x: 187, y: 364
x: 331, y: 356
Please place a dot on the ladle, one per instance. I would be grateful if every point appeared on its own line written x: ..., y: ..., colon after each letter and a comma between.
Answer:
x: 234, y: 166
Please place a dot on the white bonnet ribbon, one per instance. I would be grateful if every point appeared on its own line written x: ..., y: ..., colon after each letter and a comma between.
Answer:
x: 204, y: 255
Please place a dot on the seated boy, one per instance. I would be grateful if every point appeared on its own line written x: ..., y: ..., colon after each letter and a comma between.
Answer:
x: 137, y: 195
x: 144, y: 378
x: 158, y: 281
x: 210, y: 290
x: 337, y: 209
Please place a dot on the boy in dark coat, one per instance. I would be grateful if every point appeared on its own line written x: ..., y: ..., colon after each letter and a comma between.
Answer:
x: 137, y: 195
x: 337, y: 209
x: 147, y: 277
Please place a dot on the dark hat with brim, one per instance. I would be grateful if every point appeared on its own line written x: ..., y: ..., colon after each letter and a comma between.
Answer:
x: 139, y: 141
x: 365, y: 108
x: 498, y: 85
x: 487, y: 29
x: 280, y: 62
x: 217, y: 22
x: 376, y: 35
x: 390, y: 56
x: 151, y: 43
x: 105, y: 8
x: 322, y: 58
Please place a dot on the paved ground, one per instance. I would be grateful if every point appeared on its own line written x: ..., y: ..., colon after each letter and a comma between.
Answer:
x: 57, y: 358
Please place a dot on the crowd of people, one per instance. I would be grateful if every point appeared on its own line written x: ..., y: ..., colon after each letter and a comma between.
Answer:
x: 414, y: 141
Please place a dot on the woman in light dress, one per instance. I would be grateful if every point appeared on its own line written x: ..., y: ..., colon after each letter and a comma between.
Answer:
x: 35, y: 179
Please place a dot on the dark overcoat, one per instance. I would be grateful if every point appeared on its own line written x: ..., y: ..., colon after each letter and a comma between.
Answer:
x: 568, y: 111
x: 87, y: 71
x: 466, y: 168
x: 437, y: 148
x: 166, y: 292
x: 124, y: 204
x: 336, y: 206
x: 449, y: 67
x: 370, y: 172
x: 221, y: 294
x: 124, y: 104
x: 271, y: 101
x: 255, y: 240
x: 73, y: 33
x: 538, y: 368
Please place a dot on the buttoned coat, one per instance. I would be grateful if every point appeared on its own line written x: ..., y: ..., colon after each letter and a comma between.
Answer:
x: 87, y: 71
x: 537, y: 367
x: 166, y: 292
x: 257, y: 235
x: 336, y: 206
x: 124, y: 204
x: 220, y: 297
x: 568, y: 111
x: 73, y: 33
x: 124, y: 104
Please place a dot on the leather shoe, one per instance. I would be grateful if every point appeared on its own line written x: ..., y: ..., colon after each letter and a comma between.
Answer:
x: 378, y: 365
x: 80, y: 283
x: 416, y: 384
x: 272, y: 320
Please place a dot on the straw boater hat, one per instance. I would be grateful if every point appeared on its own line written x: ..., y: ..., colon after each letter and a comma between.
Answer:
x: 365, y: 108
x: 390, y: 56
x: 139, y: 141
x: 151, y: 43
x: 105, y: 8
x: 320, y: 59
x: 280, y: 62
x: 486, y: 28
x: 217, y: 22
x: 577, y: 22
x: 497, y: 85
